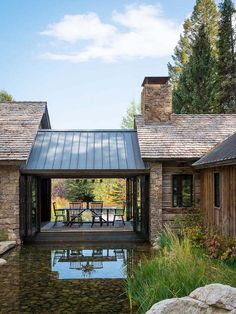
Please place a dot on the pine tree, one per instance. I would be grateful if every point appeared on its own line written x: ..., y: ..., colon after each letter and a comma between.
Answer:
x: 181, y: 54
x: 205, y: 13
x: 196, y: 89
x: 79, y: 190
x: 226, y: 59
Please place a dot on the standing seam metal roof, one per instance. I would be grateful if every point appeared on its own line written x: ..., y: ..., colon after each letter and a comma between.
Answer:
x: 222, y: 153
x: 85, y: 150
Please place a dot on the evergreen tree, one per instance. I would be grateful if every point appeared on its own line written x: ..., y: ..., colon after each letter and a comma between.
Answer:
x: 79, y: 190
x: 204, y: 13
x: 181, y: 54
x: 196, y: 88
x: 128, y: 120
x: 226, y: 59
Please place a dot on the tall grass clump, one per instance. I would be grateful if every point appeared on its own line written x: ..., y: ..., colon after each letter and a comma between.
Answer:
x: 176, y: 269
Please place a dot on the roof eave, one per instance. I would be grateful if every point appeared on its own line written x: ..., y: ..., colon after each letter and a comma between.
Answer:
x: 218, y: 163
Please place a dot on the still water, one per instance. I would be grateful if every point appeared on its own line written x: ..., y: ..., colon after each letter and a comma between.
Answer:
x: 68, y: 279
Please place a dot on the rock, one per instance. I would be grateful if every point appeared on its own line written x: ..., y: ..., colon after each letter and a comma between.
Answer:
x: 179, y: 305
x: 6, y: 245
x: 2, y: 261
x: 218, y: 295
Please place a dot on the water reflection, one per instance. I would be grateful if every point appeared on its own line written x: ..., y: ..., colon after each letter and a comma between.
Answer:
x: 67, y: 278
x: 95, y: 263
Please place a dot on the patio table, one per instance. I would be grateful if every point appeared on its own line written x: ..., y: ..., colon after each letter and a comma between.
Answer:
x: 106, y: 208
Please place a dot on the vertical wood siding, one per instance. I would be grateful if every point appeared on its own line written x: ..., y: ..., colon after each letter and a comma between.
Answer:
x: 170, y: 213
x: 224, y: 218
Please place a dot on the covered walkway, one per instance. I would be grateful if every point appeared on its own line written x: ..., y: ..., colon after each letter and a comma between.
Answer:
x: 87, y: 154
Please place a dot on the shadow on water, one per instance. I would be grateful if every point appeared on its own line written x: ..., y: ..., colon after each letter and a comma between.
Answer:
x: 68, y: 278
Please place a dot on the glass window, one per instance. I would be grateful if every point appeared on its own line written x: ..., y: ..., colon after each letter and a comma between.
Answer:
x: 216, y: 189
x: 182, y: 190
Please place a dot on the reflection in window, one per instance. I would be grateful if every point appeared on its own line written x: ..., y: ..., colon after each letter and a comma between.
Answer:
x: 34, y: 204
x: 182, y: 190
x: 216, y: 189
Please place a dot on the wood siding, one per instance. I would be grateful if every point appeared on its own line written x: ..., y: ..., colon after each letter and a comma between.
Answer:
x: 170, y: 213
x: 224, y: 218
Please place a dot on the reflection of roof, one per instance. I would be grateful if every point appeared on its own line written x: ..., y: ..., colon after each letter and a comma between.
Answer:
x: 224, y: 153
x: 185, y: 136
x: 84, y: 150
x: 80, y: 258
x: 19, y: 122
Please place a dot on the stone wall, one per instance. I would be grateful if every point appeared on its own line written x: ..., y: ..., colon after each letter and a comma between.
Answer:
x: 9, y: 202
x: 155, y: 200
x: 156, y: 102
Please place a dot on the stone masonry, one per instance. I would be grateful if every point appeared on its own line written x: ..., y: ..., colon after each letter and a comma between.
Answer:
x: 9, y: 202
x: 155, y: 200
x: 156, y: 102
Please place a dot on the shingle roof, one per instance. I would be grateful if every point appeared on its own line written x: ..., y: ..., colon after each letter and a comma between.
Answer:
x: 19, y: 122
x: 186, y: 136
x: 223, y: 153
x: 85, y: 150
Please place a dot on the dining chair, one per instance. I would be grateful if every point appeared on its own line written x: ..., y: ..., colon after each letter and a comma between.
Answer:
x: 96, y: 211
x: 58, y: 214
x: 76, y: 210
x: 119, y: 213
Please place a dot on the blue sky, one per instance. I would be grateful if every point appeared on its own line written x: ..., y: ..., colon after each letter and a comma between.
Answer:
x: 87, y: 59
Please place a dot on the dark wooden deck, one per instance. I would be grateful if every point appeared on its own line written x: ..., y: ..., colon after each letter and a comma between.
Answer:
x: 81, y: 237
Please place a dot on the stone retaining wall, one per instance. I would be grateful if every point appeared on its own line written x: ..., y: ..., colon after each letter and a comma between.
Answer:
x: 9, y: 202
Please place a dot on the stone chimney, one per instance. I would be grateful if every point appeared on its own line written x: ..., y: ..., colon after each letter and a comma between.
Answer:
x: 156, y: 99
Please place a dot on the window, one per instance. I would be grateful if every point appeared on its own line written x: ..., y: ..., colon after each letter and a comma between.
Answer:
x: 182, y: 190
x: 216, y: 189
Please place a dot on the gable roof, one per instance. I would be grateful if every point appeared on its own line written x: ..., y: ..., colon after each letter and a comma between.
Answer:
x: 224, y: 153
x: 57, y: 151
x: 186, y: 136
x: 19, y: 122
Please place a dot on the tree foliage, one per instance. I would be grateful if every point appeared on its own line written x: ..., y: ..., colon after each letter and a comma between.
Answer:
x: 79, y: 190
x: 227, y: 59
x: 128, y: 119
x: 4, y: 96
x: 199, y: 40
x: 195, y: 92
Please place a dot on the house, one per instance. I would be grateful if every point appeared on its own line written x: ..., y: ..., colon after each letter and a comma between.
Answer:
x: 161, y: 160
x: 218, y: 186
x: 19, y: 123
x: 170, y: 144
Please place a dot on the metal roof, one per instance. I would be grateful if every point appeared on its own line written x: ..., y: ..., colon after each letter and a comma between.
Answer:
x: 85, y: 150
x: 224, y: 153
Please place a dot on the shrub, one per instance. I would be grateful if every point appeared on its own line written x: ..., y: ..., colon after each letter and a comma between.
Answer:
x: 177, y: 269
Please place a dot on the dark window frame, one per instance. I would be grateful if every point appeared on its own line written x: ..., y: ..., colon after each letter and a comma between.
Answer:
x: 179, y: 198
x: 217, y: 189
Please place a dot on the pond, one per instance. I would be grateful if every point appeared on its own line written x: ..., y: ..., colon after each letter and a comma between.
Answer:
x: 68, y: 278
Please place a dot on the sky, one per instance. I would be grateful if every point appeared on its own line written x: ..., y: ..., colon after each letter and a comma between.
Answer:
x: 86, y: 58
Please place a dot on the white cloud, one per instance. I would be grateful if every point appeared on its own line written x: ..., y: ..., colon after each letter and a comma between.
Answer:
x: 138, y: 32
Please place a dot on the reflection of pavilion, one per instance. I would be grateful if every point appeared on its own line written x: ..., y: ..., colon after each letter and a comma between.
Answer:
x: 95, y: 263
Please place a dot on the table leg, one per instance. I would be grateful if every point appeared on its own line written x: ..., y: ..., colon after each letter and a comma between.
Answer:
x: 67, y: 217
x: 107, y: 217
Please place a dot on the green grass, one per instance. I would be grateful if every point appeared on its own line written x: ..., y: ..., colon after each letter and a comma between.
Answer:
x: 175, y: 271
x: 3, y: 236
